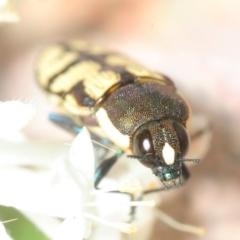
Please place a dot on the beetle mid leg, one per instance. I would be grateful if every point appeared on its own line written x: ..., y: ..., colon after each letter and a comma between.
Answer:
x: 65, y: 122
x: 104, y: 167
x: 185, y: 174
x: 70, y: 125
x: 200, y: 132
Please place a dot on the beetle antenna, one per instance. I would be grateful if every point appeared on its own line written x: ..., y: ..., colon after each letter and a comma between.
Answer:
x: 110, y: 149
x: 190, y: 160
x: 135, y: 156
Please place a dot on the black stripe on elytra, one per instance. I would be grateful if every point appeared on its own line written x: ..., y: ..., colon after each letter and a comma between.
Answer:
x: 78, y: 90
x: 100, y: 59
x: 51, y: 79
x: 82, y: 98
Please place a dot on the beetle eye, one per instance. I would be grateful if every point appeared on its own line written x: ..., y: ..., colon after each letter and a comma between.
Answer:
x: 183, y: 138
x: 143, y: 146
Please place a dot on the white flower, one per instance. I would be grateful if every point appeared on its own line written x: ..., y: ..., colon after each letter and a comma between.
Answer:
x: 72, y: 187
x: 65, y: 195
x: 27, y: 183
x: 14, y: 116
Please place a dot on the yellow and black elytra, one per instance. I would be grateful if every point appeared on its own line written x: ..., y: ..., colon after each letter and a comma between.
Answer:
x: 139, y: 110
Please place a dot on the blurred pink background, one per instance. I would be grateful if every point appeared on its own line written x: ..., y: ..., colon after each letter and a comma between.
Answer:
x: 196, y: 43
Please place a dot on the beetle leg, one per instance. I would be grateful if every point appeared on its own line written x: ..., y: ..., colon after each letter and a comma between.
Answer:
x: 185, y: 173
x: 201, y: 132
x: 65, y: 122
x: 104, y: 168
x: 70, y: 125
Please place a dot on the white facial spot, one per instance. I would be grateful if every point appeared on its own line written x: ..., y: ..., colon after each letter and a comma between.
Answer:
x: 146, y: 144
x: 168, y: 154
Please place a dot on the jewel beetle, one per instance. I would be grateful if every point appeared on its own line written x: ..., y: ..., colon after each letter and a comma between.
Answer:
x: 138, y: 109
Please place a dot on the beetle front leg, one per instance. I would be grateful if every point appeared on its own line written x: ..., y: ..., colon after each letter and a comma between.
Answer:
x: 104, y: 168
x: 185, y: 173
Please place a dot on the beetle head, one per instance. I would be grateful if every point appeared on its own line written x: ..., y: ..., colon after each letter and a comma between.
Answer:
x: 161, y: 146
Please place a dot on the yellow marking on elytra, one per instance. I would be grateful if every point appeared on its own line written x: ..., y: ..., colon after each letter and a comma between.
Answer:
x: 66, y: 81
x: 71, y: 100
x: 139, y: 71
x: 69, y: 103
x: 76, y: 108
x: 131, y: 66
x: 79, y: 45
x: 53, y: 60
x: 97, y: 49
x: 117, y: 60
x: 95, y: 82
x: 54, y: 99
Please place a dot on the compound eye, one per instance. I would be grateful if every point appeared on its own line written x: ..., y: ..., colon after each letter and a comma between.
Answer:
x: 143, y: 146
x: 183, y: 138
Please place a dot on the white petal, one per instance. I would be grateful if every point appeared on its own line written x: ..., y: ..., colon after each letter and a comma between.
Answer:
x: 23, y: 189
x: 71, y: 228
x: 69, y: 190
x: 3, y: 234
x: 32, y: 191
x: 82, y: 155
x: 14, y: 116
x: 73, y: 178
x: 41, y: 155
x: 38, y: 191
x: 105, y: 232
